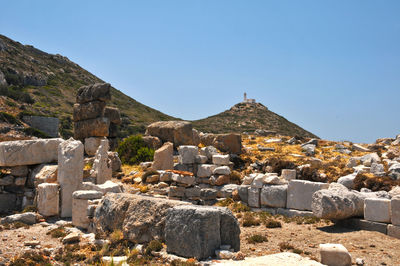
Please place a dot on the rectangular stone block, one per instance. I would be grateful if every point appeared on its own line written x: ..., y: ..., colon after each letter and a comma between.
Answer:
x: 293, y: 213
x: 377, y: 210
x: 395, y: 210
x: 48, y: 199
x: 70, y: 172
x: 274, y: 196
x: 243, y: 191
x: 28, y: 152
x: 8, y: 202
x: 254, y: 197
x: 393, y: 231
x: 360, y: 224
x: 299, y: 194
x: 96, y: 127
x: 88, y: 110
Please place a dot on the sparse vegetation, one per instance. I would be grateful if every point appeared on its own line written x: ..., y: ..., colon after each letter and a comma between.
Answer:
x: 57, y: 232
x: 253, y: 239
x: 250, y: 219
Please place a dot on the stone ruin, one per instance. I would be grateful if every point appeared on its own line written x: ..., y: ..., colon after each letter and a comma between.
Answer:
x: 93, y: 120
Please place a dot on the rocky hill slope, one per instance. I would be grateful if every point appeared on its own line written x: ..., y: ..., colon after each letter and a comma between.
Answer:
x: 250, y: 117
x: 35, y: 82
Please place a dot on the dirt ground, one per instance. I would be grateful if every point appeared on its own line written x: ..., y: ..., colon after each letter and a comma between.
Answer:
x: 373, y: 247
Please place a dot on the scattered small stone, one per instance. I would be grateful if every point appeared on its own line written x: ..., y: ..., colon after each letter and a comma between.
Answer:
x: 71, y: 238
x: 31, y: 243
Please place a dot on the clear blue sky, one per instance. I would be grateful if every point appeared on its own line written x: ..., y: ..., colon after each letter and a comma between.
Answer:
x: 332, y: 67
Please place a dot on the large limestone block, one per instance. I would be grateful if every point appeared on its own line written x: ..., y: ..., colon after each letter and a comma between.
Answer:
x: 300, y: 192
x: 48, y: 199
x: 108, y: 186
x: 254, y: 197
x: 28, y: 152
x: 95, y: 92
x: 88, y: 110
x: 197, y: 231
x: 177, y: 132
x: 338, y: 203
x: 393, y: 231
x: 205, y: 170
x: 152, y: 142
x: 96, y: 127
x: 274, y: 196
x: 92, y: 144
x: 43, y: 173
x: 80, y: 205
x: 395, y: 210
x: 102, y: 167
x: 70, y: 172
x: 288, y: 174
x: 377, y: 210
x: 231, y: 143
x: 164, y: 157
x: 334, y: 255
x: 243, y: 191
x: 187, y: 154
x: 140, y: 218
x: 220, y: 159
x: 113, y: 115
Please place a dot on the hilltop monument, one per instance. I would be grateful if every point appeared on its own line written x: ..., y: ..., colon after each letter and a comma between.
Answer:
x: 245, y: 100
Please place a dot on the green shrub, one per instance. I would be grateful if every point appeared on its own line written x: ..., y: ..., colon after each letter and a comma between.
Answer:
x: 256, y: 239
x: 272, y: 223
x: 17, y: 94
x: 154, y: 245
x: 249, y: 219
x: 133, y: 150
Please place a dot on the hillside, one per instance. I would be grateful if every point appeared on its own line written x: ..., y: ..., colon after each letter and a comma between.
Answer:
x: 249, y: 117
x: 35, y: 82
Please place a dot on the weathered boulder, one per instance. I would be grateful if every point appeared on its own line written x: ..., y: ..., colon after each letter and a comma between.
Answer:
x: 230, y: 143
x: 177, y: 132
x: 337, y: 204
x: 116, y: 163
x: 300, y: 192
x: 88, y: 110
x: 348, y: 180
x: 394, y: 171
x: 96, y: 127
x: 28, y: 152
x: 274, y: 196
x: 48, y: 199
x: 164, y: 157
x: 92, y: 144
x: 113, y: 115
x: 70, y: 172
x: 198, y: 231
x: 196, y: 137
x: 152, y: 142
x: 140, y: 218
x: 334, y: 255
x: 209, y: 151
x: 95, y: 92
x: 27, y: 218
x: 222, y: 170
x: 205, y: 170
x: 43, y: 173
x: 187, y: 154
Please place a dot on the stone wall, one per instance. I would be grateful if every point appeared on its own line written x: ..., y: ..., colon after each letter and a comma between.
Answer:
x: 48, y: 125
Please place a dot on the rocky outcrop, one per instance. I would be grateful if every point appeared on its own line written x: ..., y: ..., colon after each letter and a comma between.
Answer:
x: 177, y: 132
x: 140, y: 218
x: 28, y: 152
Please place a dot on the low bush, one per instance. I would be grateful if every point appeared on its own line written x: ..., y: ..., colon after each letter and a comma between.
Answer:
x: 270, y: 223
x: 30, y: 131
x: 249, y: 219
x: 154, y: 245
x: 133, y: 150
x: 256, y: 239
x: 8, y: 118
